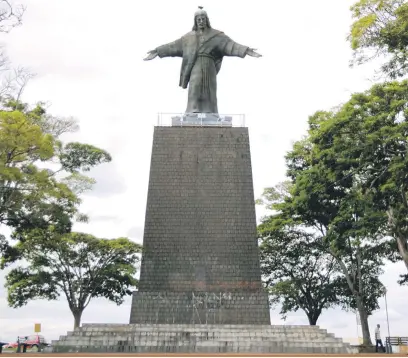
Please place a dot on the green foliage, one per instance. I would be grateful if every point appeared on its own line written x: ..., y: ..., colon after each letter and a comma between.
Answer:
x: 318, y: 238
x: 40, y: 176
x: 403, y: 280
x: 367, y: 282
x: 342, y: 189
x: 350, y: 183
x: 297, y: 270
x: 274, y: 195
x: 77, y: 265
x: 365, y: 144
x: 381, y: 28
x: 77, y: 156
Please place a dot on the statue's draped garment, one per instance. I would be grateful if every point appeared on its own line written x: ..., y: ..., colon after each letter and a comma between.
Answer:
x: 202, y: 57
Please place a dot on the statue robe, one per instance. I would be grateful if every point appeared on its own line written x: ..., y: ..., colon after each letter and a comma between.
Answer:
x: 202, y: 57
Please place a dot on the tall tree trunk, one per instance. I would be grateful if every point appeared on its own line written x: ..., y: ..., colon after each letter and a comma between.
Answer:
x: 401, y: 239
x: 312, y: 319
x: 313, y: 315
x: 403, y: 249
x: 364, y: 322
x: 360, y: 304
x: 77, y: 317
x: 360, y: 301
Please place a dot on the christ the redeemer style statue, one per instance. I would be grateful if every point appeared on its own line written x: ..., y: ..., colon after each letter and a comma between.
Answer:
x: 202, y: 50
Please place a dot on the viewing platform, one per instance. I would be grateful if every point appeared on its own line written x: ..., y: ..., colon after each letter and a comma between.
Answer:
x: 200, y: 120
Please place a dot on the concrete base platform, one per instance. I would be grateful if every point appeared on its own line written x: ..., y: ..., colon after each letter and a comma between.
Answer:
x: 215, y: 339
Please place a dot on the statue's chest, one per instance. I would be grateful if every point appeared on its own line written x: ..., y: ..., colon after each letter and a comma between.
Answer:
x: 201, y: 42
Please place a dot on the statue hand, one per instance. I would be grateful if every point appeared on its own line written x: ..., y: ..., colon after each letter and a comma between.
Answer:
x: 251, y: 52
x: 151, y: 55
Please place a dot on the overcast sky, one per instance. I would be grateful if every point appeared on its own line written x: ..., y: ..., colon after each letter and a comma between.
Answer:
x: 88, y: 59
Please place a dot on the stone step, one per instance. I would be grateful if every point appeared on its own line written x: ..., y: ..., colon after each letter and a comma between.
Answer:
x: 141, y: 329
x: 132, y: 339
x: 185, y: 338
x: 213, y: 349
x: 210, y: 343
x: 106, y: 340
x: 200, y: 334
x: 226, y: 336
x: 200, y: 327
x: 197, y: 337
x: 240, y: 332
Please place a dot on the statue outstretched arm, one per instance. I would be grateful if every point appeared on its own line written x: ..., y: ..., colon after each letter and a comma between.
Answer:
x: 232, y: 48
x: 172, y: 49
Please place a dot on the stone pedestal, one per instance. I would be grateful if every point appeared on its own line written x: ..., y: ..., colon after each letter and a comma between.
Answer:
x: 201, y: 258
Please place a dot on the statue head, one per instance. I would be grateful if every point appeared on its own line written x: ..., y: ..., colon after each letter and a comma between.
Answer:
x: 201, y: 20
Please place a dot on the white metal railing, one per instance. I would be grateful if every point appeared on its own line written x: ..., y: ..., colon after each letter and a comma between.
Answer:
x: 200, y: 120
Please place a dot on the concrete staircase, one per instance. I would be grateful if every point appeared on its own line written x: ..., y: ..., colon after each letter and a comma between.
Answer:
x: 184, y: 338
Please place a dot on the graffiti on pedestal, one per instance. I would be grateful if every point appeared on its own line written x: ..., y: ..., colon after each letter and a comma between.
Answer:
x: 208, y: 306
x: 201, y: 307
x: 166, y: 307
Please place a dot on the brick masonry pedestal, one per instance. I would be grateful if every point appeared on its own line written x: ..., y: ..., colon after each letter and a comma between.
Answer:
x: 201, y: 258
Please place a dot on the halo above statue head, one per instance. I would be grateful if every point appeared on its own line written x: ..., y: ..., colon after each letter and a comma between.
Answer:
x: 200, y: 12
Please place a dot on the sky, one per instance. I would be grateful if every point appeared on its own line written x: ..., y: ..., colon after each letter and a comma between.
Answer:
x: 87, y: 56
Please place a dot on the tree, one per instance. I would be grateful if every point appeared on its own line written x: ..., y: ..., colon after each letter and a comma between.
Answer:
x: 14, y: 80
x: 297, y: 272
x: 365, y: 141
x: 380, y: 30
x: 40, y: 176
x: 77, y: 265
x: 11, y: 15
x: 342, y: 216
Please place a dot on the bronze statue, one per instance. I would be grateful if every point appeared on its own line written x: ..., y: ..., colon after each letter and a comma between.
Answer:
x: 202, y: 50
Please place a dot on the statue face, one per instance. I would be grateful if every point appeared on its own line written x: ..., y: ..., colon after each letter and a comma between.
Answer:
x: 201, y: 21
